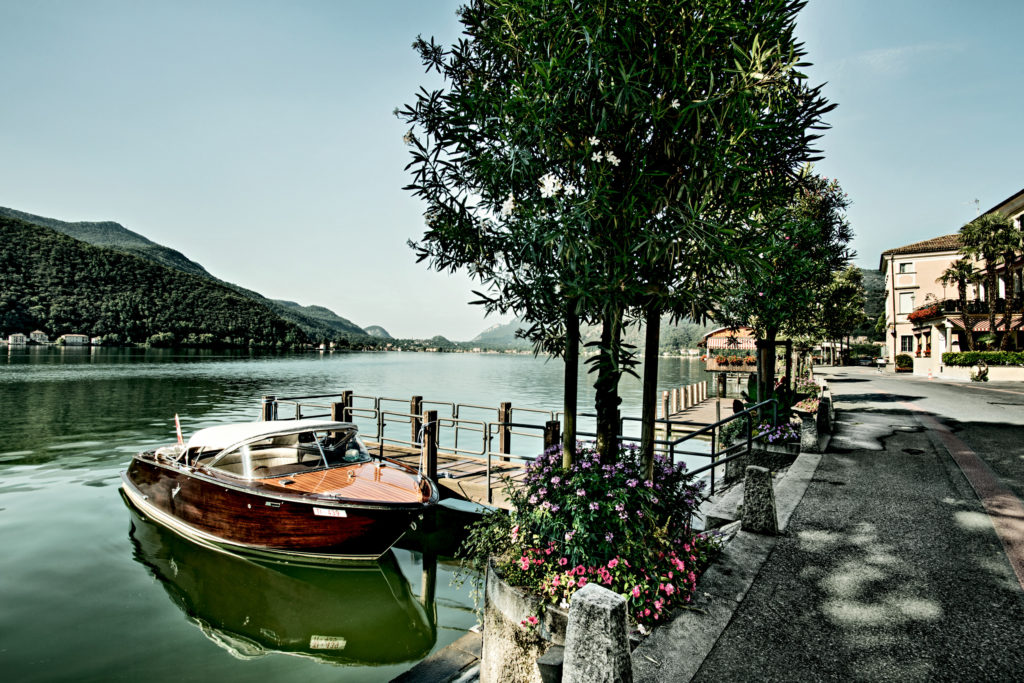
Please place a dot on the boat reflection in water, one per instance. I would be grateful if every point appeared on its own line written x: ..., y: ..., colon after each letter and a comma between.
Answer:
x: 364, y: 614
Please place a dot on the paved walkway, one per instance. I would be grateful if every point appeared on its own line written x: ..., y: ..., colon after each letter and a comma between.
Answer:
x: 891, y: 567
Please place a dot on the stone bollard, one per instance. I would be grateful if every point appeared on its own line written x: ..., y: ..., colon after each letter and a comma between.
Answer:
x: 759, y: 514
x: 825, y: 414
x: 808, y: 433
x: 596, y: 640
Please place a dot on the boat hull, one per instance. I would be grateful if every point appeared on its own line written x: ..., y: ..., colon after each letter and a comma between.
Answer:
x: 224, y: 515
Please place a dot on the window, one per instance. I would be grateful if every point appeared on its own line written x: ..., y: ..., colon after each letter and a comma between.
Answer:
x: 907, y: 267
x: 906, y: 302
x: 907, y: 344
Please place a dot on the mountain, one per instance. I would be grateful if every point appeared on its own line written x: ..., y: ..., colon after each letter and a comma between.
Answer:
x: 114, y: 236
x: 317, y: 322
x: 60, y: 284
x: 502, y: 335
x: 377, y: 331
x: 321, y: 315
x: 874, y: 293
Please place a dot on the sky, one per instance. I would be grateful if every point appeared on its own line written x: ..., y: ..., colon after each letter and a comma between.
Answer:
x: 258, y: 138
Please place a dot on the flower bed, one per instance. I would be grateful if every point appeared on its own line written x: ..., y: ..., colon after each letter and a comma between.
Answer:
x: 925, y: 313
x: 600, y: 523
x: 806, y: 387
x: 786, y: 432
x: 808, y: 405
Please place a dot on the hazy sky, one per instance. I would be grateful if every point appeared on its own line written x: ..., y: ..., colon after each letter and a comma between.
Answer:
x: 258, y: 137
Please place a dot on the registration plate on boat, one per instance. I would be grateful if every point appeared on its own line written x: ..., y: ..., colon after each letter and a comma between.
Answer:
x: 326, y: 643
x: 329, y: 512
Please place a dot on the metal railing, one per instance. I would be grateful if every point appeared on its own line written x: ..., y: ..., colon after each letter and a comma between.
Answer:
x: 373, y: 421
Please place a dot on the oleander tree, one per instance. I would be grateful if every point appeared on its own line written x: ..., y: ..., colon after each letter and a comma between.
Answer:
x: 842, y: 305
x: 581, y: 158
x: 799, y: 245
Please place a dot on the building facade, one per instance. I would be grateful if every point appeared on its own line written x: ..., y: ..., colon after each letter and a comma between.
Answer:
x: 76, y: 339
x: 39, y: 337
x: 924, y: 317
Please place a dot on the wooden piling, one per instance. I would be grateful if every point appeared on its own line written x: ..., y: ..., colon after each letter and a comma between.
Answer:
x: 429, y: 447
x: 415, y: 409
x: 504, y: 430
x: 269, y: 408
x: 665, y: 412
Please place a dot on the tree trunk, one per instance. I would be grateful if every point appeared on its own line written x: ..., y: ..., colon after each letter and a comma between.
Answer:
x: 990, y: 299
x: 1004, y: 341
x: 770, y: 335
x: 965, y: 319
x: 650, y: 389
x: 606, y: 386
x: 570, y: 387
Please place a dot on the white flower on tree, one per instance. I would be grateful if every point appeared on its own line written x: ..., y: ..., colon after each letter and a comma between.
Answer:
x: 675, y: 104
x: 612, y: 159
x: 549, y: 185
x: 594, y: 141
x: 596, y: 156
x: 509, y: 205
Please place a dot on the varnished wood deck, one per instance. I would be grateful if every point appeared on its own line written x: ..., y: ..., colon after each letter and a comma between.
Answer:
x: 698, y: 416
x: 365, y: 482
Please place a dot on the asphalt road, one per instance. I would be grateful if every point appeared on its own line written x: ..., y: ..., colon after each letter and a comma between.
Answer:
x: 892, y: 568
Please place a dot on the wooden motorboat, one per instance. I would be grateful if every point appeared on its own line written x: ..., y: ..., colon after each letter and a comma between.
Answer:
x: 305, y: 489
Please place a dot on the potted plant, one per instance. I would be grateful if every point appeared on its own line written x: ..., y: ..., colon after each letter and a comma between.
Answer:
x: 904, y: 363
x: 592, y: 522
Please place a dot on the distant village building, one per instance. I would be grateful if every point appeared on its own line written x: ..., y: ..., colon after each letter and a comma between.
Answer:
x: 730, y: 350
x: 39, y: 337
x: 17, y: 339
x: 97, y: 341
x: 76, y: 339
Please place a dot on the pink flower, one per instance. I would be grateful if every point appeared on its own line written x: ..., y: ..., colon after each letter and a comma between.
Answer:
x: 524, y: 563
x: 669, y: 589
x: 515, y: 533
x: 562, y: 561
x: 613, y: 563
x: 582, y: 582
x: 636, y: 591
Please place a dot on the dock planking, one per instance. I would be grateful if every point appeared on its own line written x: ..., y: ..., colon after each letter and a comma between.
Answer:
x: 463, y: 476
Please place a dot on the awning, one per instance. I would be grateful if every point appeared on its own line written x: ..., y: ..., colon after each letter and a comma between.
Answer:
x: 727, y: 343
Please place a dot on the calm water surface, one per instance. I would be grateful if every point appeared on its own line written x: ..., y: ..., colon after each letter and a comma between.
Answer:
x: 91, y: 591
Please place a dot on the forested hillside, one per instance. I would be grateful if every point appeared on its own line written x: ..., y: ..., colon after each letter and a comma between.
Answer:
x: 52, y: 282
x: 318, y: 323
x: 114, y: 236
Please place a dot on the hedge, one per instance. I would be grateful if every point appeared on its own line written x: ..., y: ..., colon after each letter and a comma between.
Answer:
x: 904, y: 361
x: 969, y: 358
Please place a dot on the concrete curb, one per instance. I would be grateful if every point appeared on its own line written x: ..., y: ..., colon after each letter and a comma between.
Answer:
x: 676, y: 651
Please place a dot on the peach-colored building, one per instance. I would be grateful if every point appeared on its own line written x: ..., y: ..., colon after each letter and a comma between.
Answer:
x: 923, y: 318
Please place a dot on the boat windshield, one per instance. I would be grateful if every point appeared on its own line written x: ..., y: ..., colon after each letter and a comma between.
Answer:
x: 289, y: 454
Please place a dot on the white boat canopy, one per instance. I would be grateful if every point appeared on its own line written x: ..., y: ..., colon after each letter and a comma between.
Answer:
x: 222, y: 436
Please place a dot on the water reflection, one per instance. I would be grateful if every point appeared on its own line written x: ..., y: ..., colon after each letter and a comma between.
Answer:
x: 366, y: 614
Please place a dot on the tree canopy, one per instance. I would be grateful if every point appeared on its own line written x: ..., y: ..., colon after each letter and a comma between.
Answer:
x: 582, y: 157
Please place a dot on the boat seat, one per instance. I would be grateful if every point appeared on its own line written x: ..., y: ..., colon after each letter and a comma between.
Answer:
x: 270, y: 462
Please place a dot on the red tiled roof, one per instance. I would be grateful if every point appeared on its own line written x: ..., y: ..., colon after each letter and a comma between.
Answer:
x: 944, y: 243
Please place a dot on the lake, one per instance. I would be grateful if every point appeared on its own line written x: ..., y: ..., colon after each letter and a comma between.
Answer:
x: 92, y: 591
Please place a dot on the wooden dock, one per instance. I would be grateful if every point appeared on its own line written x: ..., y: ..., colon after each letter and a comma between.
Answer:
x: 463, y: 476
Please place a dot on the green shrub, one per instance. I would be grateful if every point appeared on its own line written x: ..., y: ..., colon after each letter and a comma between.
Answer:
x: 969, y: 358
x: 904, y: 361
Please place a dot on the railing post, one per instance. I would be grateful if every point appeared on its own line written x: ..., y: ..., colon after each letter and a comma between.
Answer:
x: 429, y: 447
x: 552, y: 434
x: 268, y: 410
x: 664, y: 405
x: 415, y: 409
x: 504, y: 430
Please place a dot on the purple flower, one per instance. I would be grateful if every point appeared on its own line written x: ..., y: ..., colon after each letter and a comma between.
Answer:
x: 631, y: 483
x: 580, y: 492
x: 556, y: 481
x: 594, y: 506
x: 609, y: 536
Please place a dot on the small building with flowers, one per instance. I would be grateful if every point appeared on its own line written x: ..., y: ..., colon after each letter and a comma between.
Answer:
x: 730, y: 350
